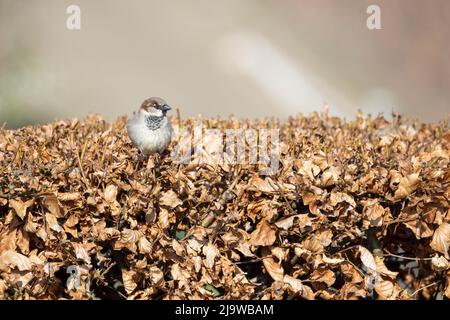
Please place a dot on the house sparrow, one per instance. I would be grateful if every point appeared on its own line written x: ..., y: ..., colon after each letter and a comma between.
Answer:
x: 150, y: 129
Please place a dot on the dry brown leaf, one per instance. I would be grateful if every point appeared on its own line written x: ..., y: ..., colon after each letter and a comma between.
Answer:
x: 407, y: 185
x: 441, y: 239
x: 307, y: 168
x: 144, y: 245
x: 3, y: 287
x: 367, y: 259
x: 286, y: 223
x: 264, y: 235
x: 333, y: 183
x: 280, y: 253
x: 324, y: 275
x: 211, y: 252
x: 129, y: 239
x: 382, y: 269
x: 8, y: 240
x: 339, y: 197
x: 373, y: 213
x: 69, y: 196
x: 20, y: 207
x: 11, y: 259
x: 330, y: 176
x: 180, y: 274
x: 447, y: 288
x: 52, y: 204
x: 439, y: 263
x: 298, y: 286
x: 163, y: 219
x: 262, y: 185
x: 81, y: 253
x: 129, y: 279
x: 30, y: 226
x: 421, y: 229
x: 324, y: 236
x: 111, y: 193
x: 274, y: 269
x: 170, y: 199
x: 313, y: 245
x: 156, y: 276
x: 244, y: 248
x: 52, y: 222
x: 386, y: 290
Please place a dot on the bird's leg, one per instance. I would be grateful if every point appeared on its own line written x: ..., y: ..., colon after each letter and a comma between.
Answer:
x: 157, y: 165
x: 157, y: 160
x: 140, y: 159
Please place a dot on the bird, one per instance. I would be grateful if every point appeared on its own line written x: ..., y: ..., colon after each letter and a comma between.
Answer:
x: 150, y: 129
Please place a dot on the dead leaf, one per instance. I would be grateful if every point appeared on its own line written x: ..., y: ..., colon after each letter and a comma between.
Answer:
x: 382, y: 269
x: 367, y: 259
x: 330, y: 176
x: 163, y: 219
x: 386, y: 290
x: 53, y: 222
x: 350, y: 272
x: 373, y: 213
x: 262, y: 185
x: 129, y: 279
x: 441, y: 239
x: 274, y: 269
x: 407, y: 186
x: 211, y: 252
x: 264, y: 235
x: 144, y: 245
x: 111, y: 193
x: 69, y: 196
x: 307, y: 168
x: 81, y: 253
x: 286, y: 223
x: 313, y: 245
x: 439, y: 263
x: 11, y: 259
x: 20, y: 207
x: 170, y: 199
x: 156, y: 276
x: 299, y: 287
x: 324, y: 275
x: 52, y: 204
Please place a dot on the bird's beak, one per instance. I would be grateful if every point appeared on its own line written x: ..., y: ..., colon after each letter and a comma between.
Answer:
x: 166, y: 107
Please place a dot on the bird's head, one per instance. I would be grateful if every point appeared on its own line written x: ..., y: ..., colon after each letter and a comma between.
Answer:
x: 154, y: 106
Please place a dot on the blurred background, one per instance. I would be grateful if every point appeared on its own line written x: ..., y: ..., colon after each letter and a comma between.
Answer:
x: 252, y: 58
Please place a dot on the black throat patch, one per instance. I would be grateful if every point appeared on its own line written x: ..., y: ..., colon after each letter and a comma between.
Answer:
x: 154, y: 122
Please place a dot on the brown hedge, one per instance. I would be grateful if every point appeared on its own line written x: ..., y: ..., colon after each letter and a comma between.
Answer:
x: 358, y: 210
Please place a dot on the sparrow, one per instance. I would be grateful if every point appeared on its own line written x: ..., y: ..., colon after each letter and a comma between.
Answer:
x: 149, y: 129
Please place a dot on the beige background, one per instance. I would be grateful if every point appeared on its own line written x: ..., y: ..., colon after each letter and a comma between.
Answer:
x: 249, y: 58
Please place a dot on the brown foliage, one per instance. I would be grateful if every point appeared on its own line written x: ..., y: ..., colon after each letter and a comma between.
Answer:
x: 357, y: 210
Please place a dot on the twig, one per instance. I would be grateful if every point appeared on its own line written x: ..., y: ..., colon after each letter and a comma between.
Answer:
x: 206, y: 222
x: 403, y: 257
x: 400, y: 221
x: 251, y: 261
x: 179, y: 118
x: 285, y: 199
x: 357, y: 269
x: 346, y: 249
x: 427, y: 286
x: 80, y: 165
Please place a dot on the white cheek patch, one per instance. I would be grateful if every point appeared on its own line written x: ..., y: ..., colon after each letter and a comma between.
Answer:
x: 155, y: 112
